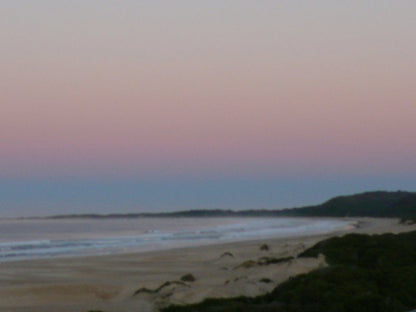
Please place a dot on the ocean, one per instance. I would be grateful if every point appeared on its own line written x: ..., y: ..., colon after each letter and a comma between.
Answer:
x: 25, y: 239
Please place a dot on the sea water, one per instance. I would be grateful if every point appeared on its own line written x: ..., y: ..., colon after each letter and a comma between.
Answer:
x: 43, y: 238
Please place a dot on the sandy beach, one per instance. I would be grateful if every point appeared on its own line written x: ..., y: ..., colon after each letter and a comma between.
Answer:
x: 151, y: 280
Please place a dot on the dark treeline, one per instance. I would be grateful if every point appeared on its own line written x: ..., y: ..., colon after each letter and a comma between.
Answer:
x: 398, y: 204
x: 370, y: 204
x: 365, y: 274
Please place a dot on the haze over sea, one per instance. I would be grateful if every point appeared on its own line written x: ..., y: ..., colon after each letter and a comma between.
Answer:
x: 44, y: 238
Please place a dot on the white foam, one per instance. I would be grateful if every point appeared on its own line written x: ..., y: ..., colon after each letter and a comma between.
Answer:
x: 233, y: 229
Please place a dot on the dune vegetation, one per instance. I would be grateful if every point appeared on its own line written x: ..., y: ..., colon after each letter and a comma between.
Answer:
x: 365, y: 273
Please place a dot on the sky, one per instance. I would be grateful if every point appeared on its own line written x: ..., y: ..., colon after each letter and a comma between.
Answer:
x: 128, y: 106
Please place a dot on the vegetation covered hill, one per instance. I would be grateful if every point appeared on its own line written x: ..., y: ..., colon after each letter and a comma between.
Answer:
x: 366, y: 273
x: 370, y: 204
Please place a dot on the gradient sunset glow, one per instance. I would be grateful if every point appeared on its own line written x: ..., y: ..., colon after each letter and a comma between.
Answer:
x: 246, y: 101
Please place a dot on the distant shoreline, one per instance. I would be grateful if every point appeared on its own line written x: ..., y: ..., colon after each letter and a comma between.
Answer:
x: 378, y: 204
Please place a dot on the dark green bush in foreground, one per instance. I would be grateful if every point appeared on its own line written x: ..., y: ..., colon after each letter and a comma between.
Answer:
x: 366, y: 273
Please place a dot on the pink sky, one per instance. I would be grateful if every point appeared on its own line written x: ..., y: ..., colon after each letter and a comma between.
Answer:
x: 127, y: 89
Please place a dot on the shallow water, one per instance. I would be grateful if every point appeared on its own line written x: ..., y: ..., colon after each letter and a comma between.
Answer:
x: 42, y: 238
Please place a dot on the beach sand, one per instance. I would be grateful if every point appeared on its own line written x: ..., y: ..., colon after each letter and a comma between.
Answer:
x: 109, y: 283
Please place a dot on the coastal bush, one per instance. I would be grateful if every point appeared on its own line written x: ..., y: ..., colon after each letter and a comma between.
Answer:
x: 188, y: 278
x: 158, y: 289
x: 367, y: 251
x: 366, y: 274
x: 272, y: 260
x: 264, y: 247
x: 227, y: 254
